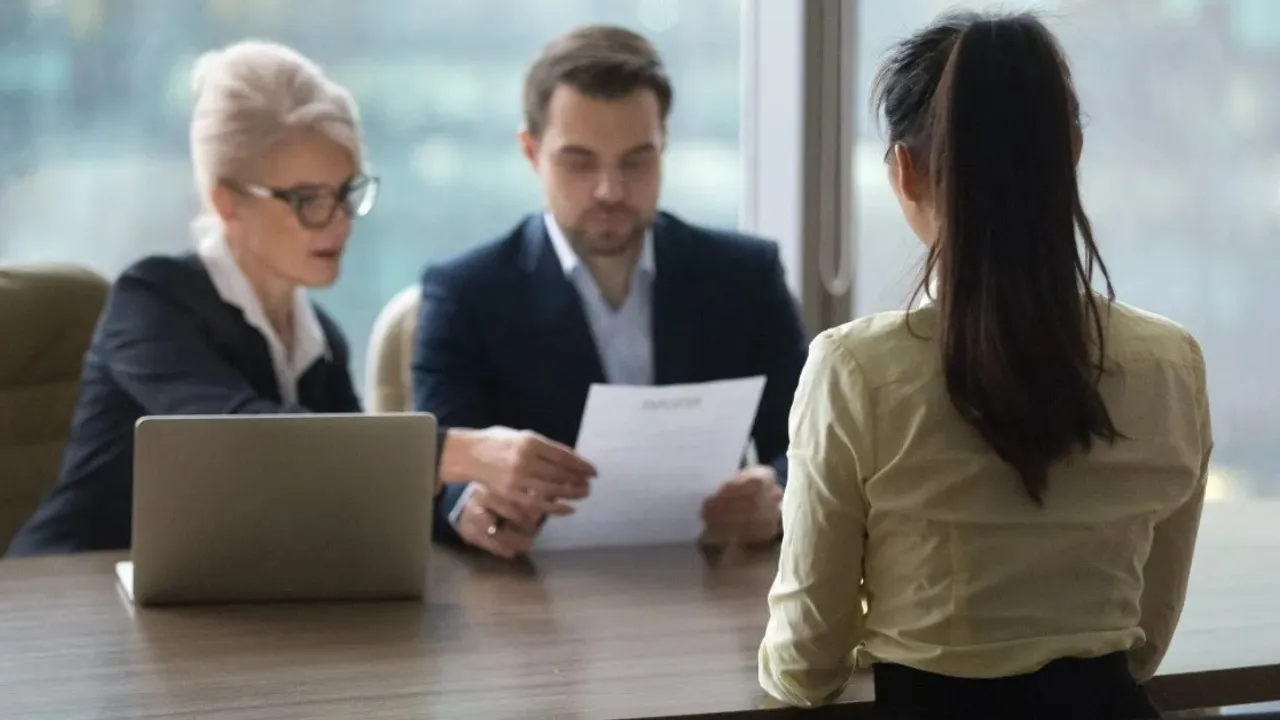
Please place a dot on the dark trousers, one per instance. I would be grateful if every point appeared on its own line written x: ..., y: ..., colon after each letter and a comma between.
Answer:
x: 1067, y: 689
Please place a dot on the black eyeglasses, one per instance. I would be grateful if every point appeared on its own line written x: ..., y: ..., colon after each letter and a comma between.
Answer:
x: 316, y: 205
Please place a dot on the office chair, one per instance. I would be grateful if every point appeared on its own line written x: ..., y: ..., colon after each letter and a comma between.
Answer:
x: 388, y: 384
x: 47, y: 316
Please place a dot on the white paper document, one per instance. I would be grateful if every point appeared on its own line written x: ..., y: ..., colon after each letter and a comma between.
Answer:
x: 659, y: 451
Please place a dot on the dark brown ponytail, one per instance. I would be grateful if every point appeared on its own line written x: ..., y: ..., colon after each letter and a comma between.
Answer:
x: 986, y: 104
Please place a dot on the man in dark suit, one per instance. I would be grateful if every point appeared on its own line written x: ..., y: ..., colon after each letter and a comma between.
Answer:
x: 603, y: 287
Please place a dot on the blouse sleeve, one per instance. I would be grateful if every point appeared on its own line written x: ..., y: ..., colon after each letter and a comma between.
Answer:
x: 1168, y: 568
x: 816, y: 616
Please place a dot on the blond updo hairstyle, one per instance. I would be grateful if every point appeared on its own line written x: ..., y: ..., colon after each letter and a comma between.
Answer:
x: 252, y: 97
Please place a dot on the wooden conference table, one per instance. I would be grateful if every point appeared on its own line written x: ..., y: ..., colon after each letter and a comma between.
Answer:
x: 645, y: 633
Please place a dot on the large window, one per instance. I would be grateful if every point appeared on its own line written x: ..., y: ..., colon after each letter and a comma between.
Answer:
x: 1181, y: 177
x: 94, y: 102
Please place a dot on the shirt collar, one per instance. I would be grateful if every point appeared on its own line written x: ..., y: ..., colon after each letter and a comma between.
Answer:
x: 309, y: 341
x: 569, y: 260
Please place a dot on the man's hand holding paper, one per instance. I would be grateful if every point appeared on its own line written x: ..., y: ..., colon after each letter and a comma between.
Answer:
x: 746, y: 510
x: 660, y: 452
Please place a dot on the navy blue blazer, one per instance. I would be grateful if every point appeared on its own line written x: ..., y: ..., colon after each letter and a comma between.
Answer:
x: 503, y: 339
x: 165, y: 344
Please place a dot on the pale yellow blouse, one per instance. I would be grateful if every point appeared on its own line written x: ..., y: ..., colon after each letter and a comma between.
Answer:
x: 890, y: 494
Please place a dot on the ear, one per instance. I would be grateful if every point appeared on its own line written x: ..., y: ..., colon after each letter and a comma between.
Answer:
x: 1077, y: 144
x: 529, y: 146
x: 905, y: 175
x: 223, y: 201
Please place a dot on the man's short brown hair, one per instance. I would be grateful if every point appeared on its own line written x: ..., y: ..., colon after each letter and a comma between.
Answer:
x: 603, y: 62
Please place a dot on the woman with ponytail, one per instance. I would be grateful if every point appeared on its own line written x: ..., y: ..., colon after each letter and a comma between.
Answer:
x: 994, y: 497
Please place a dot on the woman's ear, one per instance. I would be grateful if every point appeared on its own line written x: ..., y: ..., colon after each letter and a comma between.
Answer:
x: 223, y: 202
x: 903, y: 174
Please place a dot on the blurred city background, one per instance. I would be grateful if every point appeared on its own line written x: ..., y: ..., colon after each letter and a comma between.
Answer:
x: 1181, y: 167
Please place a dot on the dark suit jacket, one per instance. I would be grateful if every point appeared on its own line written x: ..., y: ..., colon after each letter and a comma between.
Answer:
x: 503, y: 339
x: 166, y: 344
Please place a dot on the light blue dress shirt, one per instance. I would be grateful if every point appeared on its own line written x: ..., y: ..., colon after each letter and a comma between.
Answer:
x: 623, y: 335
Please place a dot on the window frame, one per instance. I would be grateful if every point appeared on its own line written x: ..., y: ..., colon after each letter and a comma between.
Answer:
x: 798, y: 89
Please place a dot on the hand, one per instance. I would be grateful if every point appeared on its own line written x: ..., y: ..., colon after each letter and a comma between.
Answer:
x: 487, y: 523
x: 746, y: 510
x: 522, y: 468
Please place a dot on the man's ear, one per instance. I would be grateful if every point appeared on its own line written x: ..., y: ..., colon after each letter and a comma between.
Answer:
x: 529, y: 146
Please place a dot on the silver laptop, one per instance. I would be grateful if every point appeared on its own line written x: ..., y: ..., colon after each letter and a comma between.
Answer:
x: 260, y: 508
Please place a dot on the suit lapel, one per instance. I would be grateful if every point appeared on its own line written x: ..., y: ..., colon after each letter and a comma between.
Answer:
x: 240, y: 335
x: 674, y: 307
x: 556, y: 313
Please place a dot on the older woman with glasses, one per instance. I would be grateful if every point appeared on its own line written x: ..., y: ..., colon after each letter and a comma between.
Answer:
x: 276, y: 150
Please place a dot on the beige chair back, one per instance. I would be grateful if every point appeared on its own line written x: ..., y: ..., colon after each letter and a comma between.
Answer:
x: 388, y: 383
x: 47, y: 316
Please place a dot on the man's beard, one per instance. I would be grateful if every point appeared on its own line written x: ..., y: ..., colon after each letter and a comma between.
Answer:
x: 609, y: 244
